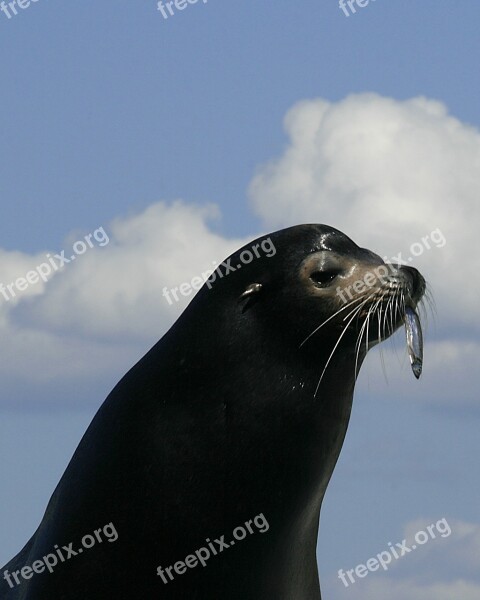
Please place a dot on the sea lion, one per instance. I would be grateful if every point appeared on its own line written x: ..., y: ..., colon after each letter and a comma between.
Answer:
x: 203, y: 473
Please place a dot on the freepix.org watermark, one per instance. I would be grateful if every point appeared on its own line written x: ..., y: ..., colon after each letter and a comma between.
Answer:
x: 50, y: 561
x: 385, y: 558
x: 9, y: 9
x: 169, y: 9
x: 225, y: 268
x: 352, y: 4
x: 54, y: 263
x: 214, y: 548
x: 380, y: 274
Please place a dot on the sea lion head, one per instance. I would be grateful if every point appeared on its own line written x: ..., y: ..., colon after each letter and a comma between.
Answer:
x: 311, y: 287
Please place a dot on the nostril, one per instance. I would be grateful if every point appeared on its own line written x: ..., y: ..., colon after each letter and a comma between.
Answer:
x: 417, y: 281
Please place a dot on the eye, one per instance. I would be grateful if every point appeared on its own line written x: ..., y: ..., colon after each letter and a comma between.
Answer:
x: 323, y: 278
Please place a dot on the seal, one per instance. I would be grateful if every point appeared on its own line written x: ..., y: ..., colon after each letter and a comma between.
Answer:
x: 202, y: 474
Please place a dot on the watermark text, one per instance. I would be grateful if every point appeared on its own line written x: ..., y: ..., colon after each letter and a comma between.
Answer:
x: 169, y: 9
x: 54, y: 263
x: 384, y: 559
x: 225, y: 268
x: 214, y: 548
x: 50, y: 561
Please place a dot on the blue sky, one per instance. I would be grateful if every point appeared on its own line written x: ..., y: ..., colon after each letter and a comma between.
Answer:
x: 107, y: 106
x: 110, y: 113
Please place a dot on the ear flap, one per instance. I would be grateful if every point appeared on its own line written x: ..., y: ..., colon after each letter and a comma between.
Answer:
x: 250, y: 293
x: 250, y: 290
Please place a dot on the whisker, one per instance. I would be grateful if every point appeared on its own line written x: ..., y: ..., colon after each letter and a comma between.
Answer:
x: 335, y: 347
x: 383, y: 326
x: 429, y: 300
x: 364, y: 329
x: 331, y: 317
x: 391, y: 311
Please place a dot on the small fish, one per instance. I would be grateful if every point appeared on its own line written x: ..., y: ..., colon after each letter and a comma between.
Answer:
x: 413, y: 330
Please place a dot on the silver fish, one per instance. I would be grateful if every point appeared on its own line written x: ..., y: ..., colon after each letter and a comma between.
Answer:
x: 413, y: 330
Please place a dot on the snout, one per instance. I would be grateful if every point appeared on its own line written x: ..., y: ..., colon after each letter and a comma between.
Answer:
x: 415, y: 283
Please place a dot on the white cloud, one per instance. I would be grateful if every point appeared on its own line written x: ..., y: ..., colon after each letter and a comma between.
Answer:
x: 90, y: 315
x: 387, y: 173
x: 116, y: 291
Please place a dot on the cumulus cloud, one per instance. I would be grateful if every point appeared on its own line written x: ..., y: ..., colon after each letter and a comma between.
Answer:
x: 117, y: 291
x: 388, y: 173
x: 108, y: 304
x: 397, y: 177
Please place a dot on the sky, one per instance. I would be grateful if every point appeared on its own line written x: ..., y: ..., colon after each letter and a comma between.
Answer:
x: 128, y: 139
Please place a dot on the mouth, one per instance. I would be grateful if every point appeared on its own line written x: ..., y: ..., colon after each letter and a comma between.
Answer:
x: 386, y: 311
